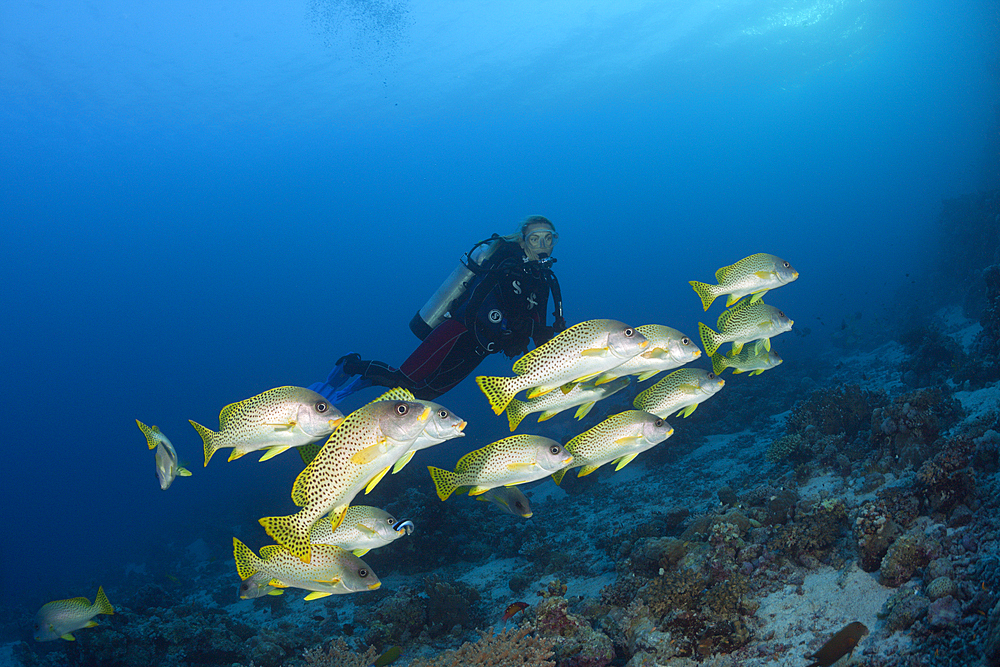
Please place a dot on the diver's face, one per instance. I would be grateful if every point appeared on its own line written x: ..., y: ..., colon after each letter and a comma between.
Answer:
x: 539, y: 239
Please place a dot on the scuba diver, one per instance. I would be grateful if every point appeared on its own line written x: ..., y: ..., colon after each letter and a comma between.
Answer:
x: 494, y: 301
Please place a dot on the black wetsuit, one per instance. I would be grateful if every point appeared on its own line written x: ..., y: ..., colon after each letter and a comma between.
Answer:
x: 502, y: 310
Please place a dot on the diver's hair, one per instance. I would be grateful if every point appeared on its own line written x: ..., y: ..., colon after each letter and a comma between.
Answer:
x: 518, y: 234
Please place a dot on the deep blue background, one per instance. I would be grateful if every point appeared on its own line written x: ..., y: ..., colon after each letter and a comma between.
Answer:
x: 201, y: 204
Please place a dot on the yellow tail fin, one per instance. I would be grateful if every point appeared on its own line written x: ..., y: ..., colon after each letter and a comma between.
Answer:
x: 247, y: 563
x: 149, y: 433
x: 102, y: 604
x: 208, y: 437
x: 709, y: 339
x: 705, y: 292
x: 291, y: 532
x: 498, y: 391
x: 445, y: 481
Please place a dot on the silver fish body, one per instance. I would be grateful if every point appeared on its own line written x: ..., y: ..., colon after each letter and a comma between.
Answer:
x: 579, y: 353
x: 668, y: 349
x: 681, y: 391
x: 619, y: 438
x: 583, y: 394
x: 753, y: 275
x: 745, y: 322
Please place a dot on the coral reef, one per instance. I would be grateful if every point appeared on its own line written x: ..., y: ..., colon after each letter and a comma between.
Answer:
x: 508, y: 648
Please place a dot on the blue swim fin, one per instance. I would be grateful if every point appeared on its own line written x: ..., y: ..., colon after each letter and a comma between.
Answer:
x: 339, y: 385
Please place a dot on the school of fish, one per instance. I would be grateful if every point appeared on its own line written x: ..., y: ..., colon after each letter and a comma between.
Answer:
x: 319, y: 547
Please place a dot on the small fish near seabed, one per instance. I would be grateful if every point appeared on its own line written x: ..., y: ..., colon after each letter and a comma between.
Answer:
x: 579, y: 353
x: 745, y: 322
x: 513, y: 460
x: 754, y: 275
x: 357, y: 455
x: 753, y: 359
x: 60, y: 618
x: 509, y: 499
x: 276, y: 420
x: 583, y: 394
x: 512, y: 609
x: 167, y: 467
x: 680, y: 391
x: 332, y: 570
x: 840, y: 644
x: 619, y: 438
x: 364, y: 528
x: 668, y: 349
x: 258, y: 585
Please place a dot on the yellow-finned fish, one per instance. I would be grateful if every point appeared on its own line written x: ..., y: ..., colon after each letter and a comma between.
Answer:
x: 754, y: 275
x: 579, y: 353
x: 753, y: 359
x: 681, y: 390
x: 167, y: 467
x: 258, y: 585
x: 60, y: 618
x: 513, y: 460
x: 358, y: 454
x: 332, y: 571
x: 668, y: 348
x: 364, y: 528
x: 584, y: 394
x: 442, y: 425
x: 509, y: 499
x: 619, y: 438
x: 275, y: 420
x: 745, y: 322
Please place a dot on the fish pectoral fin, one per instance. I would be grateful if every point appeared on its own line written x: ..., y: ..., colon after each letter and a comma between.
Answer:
x: 360, y: 552
x: 286, y: 426
x: 687, y: 388
x: 686, y: 412
x: 362, y: 528
x: 625, y: 460
x: 183, y: 472
x: 535, y: 392
x: 403, y: 460
x: 629, y: 440
x: 368, y: 454
x: 316, y: 595
x: 655, y: 353
x: 331, y: 582
x: 518, y: 467
x: 594, y: 352
x: 376, y: 479
x: 272, y: 452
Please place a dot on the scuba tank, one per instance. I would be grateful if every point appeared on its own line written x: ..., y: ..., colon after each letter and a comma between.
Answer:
x: 435, y: 311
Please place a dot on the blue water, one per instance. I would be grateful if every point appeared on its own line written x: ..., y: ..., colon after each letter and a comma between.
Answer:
x: 203, y: 202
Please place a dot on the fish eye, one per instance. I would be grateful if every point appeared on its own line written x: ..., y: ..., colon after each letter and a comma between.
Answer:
x: 322, y: 406
x: 442, y: 413
x: 629, y: 332
x: 555, y: 449
x: 390, y: 520
x: 781, y: 314
x: 711, y: 376
x: 658, y: 423
x: 402, y: 409
x: 362, y: 573
x: 786, y: 265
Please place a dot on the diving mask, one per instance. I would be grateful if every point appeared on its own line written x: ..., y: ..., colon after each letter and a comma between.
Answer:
x: 538, y: 243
